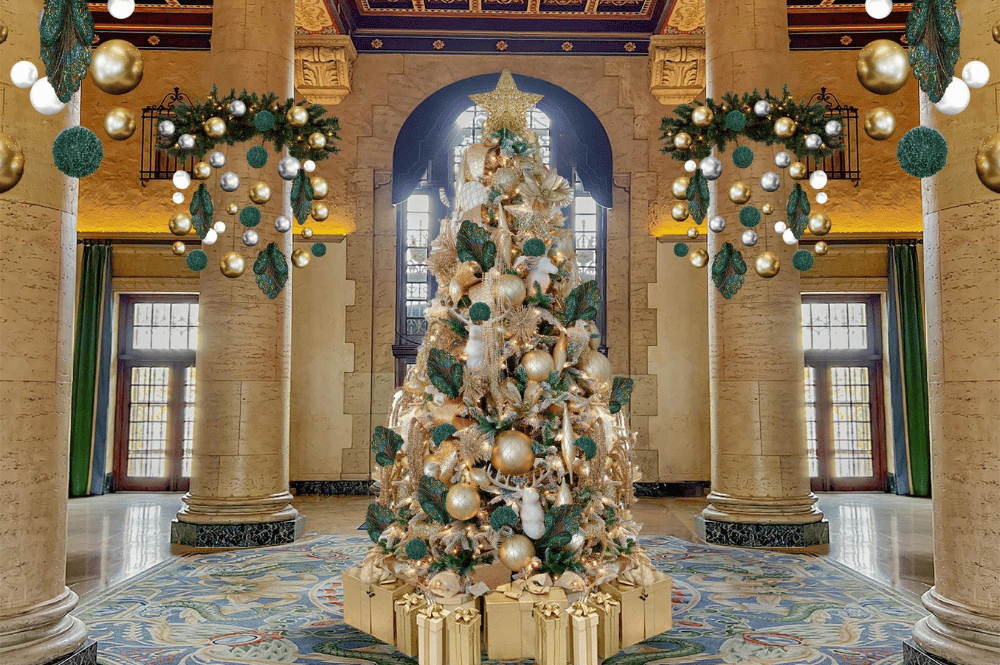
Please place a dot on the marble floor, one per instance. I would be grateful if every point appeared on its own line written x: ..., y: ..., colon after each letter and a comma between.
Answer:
x: 113, y: 537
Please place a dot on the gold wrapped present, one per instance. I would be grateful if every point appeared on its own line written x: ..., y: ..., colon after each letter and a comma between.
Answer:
x: 583, y: 634
x: 406, y: 622
x: 645, y: 610
x: 609, y: 638
x: 510, y: 626
x: 550, y: 633
x: 432, y: 647
x: 369, y: 607
x: 462, y: 631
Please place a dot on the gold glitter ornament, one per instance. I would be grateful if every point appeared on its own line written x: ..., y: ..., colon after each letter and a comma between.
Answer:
x: 506, y: 179
x: 260, y: 192
x: 512, y: 453
x: 698, y: 258
x: 300, y: 258
x: 988, y: 163
x: 517, y: 552
x: 11, y: 164
x: 739, y: 192
x: 215, y: 128
x: 180, y: 223
x: 682, y: 141
x: 232, y: 264
x: 702, y: 116
x: 319, y: 211
x: 819, y: 224
x: 679, y: 212
x: 784, y: 128
x: 797, y: 171
x: 119, y: 124
x: 822, y: 248
x: 462, y: 501
x: 506, y: 106
x: 201, y: 171
x: 317, y: 141
x: 320, y: 188
x: 297, y: 116
x: 679, y: 188
x: 883, y: 67
x: 232, y: 208
x: 116, y: 67
x: 767, y: 264
x: 178, y: 248
x: 538, y: 365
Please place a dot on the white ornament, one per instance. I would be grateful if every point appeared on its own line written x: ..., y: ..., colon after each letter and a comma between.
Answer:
x: 817, y: 179
x: 178, y: 197
x: 532, y: 515
x: 975, y: 74
x: 474, y: 347
x: 782, y: 160
x: 770, y: 181
x: 166, y: 128
x: 690, y: 166
x: 182, y: 179
x: 833, y: 128
x: 210, y: 237
x: 762, y: 108
x: 185, y: 142
x: 288, y: 168
x: 283, y: 224
x: 217, y: 160
x: 814, y: 141
x: 749, y: 238
x: 229, y: 182
x: 955, y: 99
x: 717, y: 224
x: 250, y: 238
x: 219, y: 227
x: 43, y: 97
x: 237, y: 108
x: 878, y: 9
x: 711, y: 167
x: 821, y: 198
x: 788, y: 236
x: 24, y: 74
x: 121, y: 9
x: 540, y: 273
x: 309, y: 166
x: 780, y: 227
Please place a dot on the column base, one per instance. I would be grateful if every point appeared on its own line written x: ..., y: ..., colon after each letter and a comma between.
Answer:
x: 259, y: 534
x: 914, y: 655
x: 954, y: 634
x: 744, y: 534
x: 85, y: 655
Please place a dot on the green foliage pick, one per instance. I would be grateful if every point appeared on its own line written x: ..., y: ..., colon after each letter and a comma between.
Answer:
x: 445, y: 372
x: 749, y: 217
x: 502, y: 516
x: 534, y: 247
x: 587, y: 445
x: 318, y: 249
x: 728, y: 270
x: 67, y: 33
x: 257, y: 156
x: 742, y: 157
x: 202, y: 210
x: 474, y: 244
x: 416, y: 549
x: 301, y: 197
x: 558, y: 561
x: 442, y: 432
x: 802, y: 260
x: 197, y: 260
x: 250, y: 216
x: 698, y: 197
x: 271, y: 269
x: 932, y: 33
x: 263, y: 121
x: 378, y: 520
x: 432, y: 493
x: 922, y: 152
x: 621, y: 393
x: 385, y: 444
x: 798, y: 211
x: 479, y: 312
x: 582, y: 303
x: 681, y: 249
x: 77, y: 152
x: 736, y: 121
x: 560, y: 524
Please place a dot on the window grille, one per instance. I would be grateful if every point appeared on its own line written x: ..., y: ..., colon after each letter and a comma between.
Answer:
x: 156, y: 164
x: 844, y: 164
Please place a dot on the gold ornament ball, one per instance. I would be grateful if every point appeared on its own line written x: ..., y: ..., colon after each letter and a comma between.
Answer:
x: 880, y: 124
x: 682, y: 141
x: 767, y: 264
x: 320, y: 188
x: 3, y: 32
x: 178, y: 248
x: 988, y: 163
x: 510, y: 290
x: 300, y: 258
x: 819, y: 224
x: 11, y: 163
x: 116, y: 67
x: 232, y: 264
x: 119, y: 124
x: 595, y: 365
x: 202, y: 171
x: 680, y: 211
x: 739, y: 192
x: 517, y: 552
x: 767, y: 208
x: 297, y: 116
x: 260, y: 192
x: 307, y: 233
x: 480, y: 477
x: 232, y: 208
x: 680, y: 188
x: 538, y: 365
x: 698, y: 258
x: 317, y: 141
x: 512, y: 454
x: 702, y: 116
x: 822, y: 248
x: 883, y: 67
x: 996, y: 33
x: 180, y: 224
x: 462, y: 502
x: 797, y: 171
x: 215, y: 128
x: 693, y: 232
x: 784, y: 128
x: 319, y: 211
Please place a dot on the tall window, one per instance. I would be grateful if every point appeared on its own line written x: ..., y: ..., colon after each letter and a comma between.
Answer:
x: 156, y: 387
x: 842, y: 340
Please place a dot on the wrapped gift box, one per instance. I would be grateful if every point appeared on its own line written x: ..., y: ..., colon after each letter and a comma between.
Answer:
x: 369, y: 607
x: 510, y: 624
x: 609, y: 638
x: 432, y: 645
x: 583, y: 621
x: 551, y: 626
x: 645, y: 610
x: 462, y: 630
x: 406, y: 622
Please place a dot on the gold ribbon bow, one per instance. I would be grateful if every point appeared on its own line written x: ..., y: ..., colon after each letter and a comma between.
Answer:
x: 581, y: 609
x: 411, y: 601
x: 517, y: 588
x: 602, y: 600
x: 548, y: 610
x: 466, y: 615
x: 433, y: 611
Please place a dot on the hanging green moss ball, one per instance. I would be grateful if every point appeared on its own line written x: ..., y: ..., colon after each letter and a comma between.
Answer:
x: 802, y: 260
x: 257, y: 156
x: 250, y: 217
x: 502, y: 516
x: 263, y: 121
x: 479, y: 312
x: 197, y: 260
x: 534, y: 247
x: 922, y: 152
x: 77, y: 152
x: 742, y: 157
x: 442, y: 432
x: 749, y: 216
x: 681, y: 249
x: 318, y: 249
x: 416, y: 549
x: 736, y: 121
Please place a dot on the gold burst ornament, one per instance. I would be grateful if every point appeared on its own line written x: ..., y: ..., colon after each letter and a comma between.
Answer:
x: 506, y: 106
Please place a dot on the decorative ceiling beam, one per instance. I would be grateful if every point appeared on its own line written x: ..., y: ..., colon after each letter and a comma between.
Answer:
x: 676, y: 68
x: 323, y: 67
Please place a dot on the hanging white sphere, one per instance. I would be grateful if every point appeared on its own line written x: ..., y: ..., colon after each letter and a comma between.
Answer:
x: 217, y: 160
x: 770, y: 181
x: 814, y: 141
x: 178, y: 198
x: 24, y: 74
x: 955, y: 99
x: 782, y: 160
x: 210, y: 237
x: 711, y: 167
x: 789, y: 237
x: 237, y: 108
x: 975, y: 74
x: 121, y: 9
x: 283, y: 224
x: 185, y: 142
x: 229, y: 182
x: 780, y: 227
x: 166, y: 128
x: 690, y: 166
x: 749, y: 238
x: 309, y: 166
x: 762, y: 108
x: 717, y: 224
x: 219, y: 227
x: 43, y: 97
x: 250, y: 238
x: 288, y: 168
x: 182, y: 179
x: 821, y: 198
x: 878, y: 9
x: 817, y: 179
x: 833, y: 128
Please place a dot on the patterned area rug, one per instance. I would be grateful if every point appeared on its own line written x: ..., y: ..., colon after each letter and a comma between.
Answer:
x: 284, y: 605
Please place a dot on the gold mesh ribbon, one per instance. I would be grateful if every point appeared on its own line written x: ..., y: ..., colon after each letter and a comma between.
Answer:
x: 492, y: 337
x: 581, y: 609
x: 433, y: 611
x: 466, y: 615
x: 548, y: 610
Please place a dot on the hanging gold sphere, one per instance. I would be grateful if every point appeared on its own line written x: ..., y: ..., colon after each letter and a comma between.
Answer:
x: 698, y: 258
x: 702, y: 116
x: 767, y: 208
x: 116, y: 67
x: 517, y: 552
x: 119, y: 124
x: 538, y: 365
x: 988, y: 163
x: 739, y: 192
x: 512, y: 453
x: 201, y: 171
x: 693, y: 232
x: 819, y: 224
x: 767, y: 264
x: 462, y: 501
x: 880, y: 123
x: 300, y: 258
x: 784, y: 128
x: 3, y: 32
x: 682, y: 141
x: 797, y: 171
x: 510, y: 290
x: 883, y: 67
x: 320, y: 188
x: 317, y: 141
x: 178, y: 248
x: 319, y: 211
x: 307, y: 233
x: 996, y: 33
x: 11, y: 163
x: 215, y: 128
x: 232, y: 208
x: 180, y: 223
x: 680, y: 211
x: 679, y: 188
x: 232, y: 264
x: 595, y: 365
x: 297, y: 116
x: 260, y: 192
x: 822, y: 248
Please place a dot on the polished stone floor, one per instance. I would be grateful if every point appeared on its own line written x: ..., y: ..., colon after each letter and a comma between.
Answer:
x: 116, y: 536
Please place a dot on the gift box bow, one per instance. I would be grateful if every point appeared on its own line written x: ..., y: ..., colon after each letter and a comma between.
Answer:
x: 411, y: 601
x: 603, y: 601
x: 581, y: 609
x: 466, y: 615
x: 639, y: 576
x: 434, y: 611
x: 548, y: 609
x: 518, y: 588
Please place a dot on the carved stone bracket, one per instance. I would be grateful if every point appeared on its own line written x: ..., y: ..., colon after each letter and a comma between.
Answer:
x: 323, y: 67
x: 676, y: 68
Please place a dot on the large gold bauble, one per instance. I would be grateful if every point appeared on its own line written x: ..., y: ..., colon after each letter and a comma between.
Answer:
x: 232, y: 208
x: 3, y: 32
x: 819, y: 224
x: 996, y: 33
x: 517, y: 552
x: 180, y: 223
x: 201, y: 171
x: 317, y: 140
x: 679, y: 188
x: 297, y: 116
x: 178, y: 248
x: 680, y: 211
x: 883, y: 67
x: 821, y: 248
x: 698, y: 258
x: 682, y: 141
x: 11, y: 163
x: 232, y: 264
x: 260, y: 192
x: 767, y: 264
x: 797, y: 171
x: 320, y: 188
x: 693, y: 232
x: 510, y: 290
x: 319, y: 211
x: 739, y: 192
x: 512, y: 454
x: 988, y: 163
x: 119, y: 124
x: 300, y: 258
x: 880, y: 123
x: 538, y: 365
x: 767, y: 208
x: 595, y: 365
x: 462, y: 502
x: 784, y: 128
x: 215, y: 128
x: 116, y: 67
x: 702, y: 116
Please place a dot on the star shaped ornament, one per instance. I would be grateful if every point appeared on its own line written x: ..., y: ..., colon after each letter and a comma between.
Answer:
x: 506, y: 107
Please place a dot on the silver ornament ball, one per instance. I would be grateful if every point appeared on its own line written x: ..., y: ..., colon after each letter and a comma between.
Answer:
x: 185, y: 142
x: 237, y: 108
x: 250, y: 238
x: 717, y: 224
x: 749, y: 238
x: 217, y: 160
x: 283, y: 224
x: 770, y: 181
x: 762, y: 108
x: 833, y: 128
x: 814, y: 141
x: 288, y: 168
x: 166, y: 128
x: 229, y: 182
x: 782, y: 160
x: 711, y: 167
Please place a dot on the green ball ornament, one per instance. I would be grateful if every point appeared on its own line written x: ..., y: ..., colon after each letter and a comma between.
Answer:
x: 736, y: 121
x: 197, y: 260
x: 749, y: 216
x: 681, y: 249
x: 479, y: 312
x: 922, y: 152
x: 263, y: 121
x: 250, y: 217
x: 742, y: 157
x: 318, y: 249
x: 257, y: 155
x: 534, y: 247
x: 77, y: 152
x: 802, y: 260
x: 416, y: 549
x: 502, y: 516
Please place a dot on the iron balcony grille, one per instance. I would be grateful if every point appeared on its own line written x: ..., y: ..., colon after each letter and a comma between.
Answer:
x: 844, y: 164
x: 155, y: 164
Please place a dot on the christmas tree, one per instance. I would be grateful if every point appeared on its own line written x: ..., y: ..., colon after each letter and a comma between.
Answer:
x: 507, y: 442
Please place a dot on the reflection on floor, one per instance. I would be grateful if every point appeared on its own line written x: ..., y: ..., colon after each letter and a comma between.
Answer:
x: 116, y: 536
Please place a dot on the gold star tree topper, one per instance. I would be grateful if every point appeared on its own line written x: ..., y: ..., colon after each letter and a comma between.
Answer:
x: 506, y: 107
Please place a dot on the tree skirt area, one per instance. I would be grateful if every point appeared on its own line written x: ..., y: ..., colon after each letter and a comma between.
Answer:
x: 284, y: 605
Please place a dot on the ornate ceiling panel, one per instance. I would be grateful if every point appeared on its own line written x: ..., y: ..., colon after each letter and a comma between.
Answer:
x: 829, y: 25
x: 170, y: 25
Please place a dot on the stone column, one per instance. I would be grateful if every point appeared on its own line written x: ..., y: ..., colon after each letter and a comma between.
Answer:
x: 37, y: 290
x: 760, y: 477
x: 962, y: 287
x: 239, y: 477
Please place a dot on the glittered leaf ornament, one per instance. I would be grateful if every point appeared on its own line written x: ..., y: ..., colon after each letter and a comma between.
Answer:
x: 698, y: 197
x: 582, y: 303
x: 728, y: 270
x: 378, y: 520
x: 67, y: 32
x: 432, y: 494
x: 301, y: 197
x: 932, y: 32
x: 202, y: 210
x: 474, y: 244
x: 588, y: 446
x: 385, y: 444
x: 621, y: 393
x: 502, y: 516
x: 798, y: 211
x: 445, y: 372
x: 271, y: 269
x: 560, y: 524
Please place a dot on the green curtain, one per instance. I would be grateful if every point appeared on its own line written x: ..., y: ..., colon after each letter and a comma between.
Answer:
x: 87, y: 357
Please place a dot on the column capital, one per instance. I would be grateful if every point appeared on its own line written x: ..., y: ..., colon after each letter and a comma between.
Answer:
x: 676, y: 68
x: 323, y: 67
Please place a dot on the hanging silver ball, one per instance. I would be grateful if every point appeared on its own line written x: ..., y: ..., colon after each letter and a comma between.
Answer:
x: 716, y: 224
x: 237, y: 108
x: 283, y: 224
x: 288, y: 168
x: 814, y: 141
x: 229, y: 182
x: 782, y: 160
x: 711, y: 167
x: 749, y: 238
x: 185, y: 142
x: 250, y: 238
x: 833, y: 128
x: 770, y: 181
x: 166, y: 128
x: 217, y: 160
x: 762, y: 108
